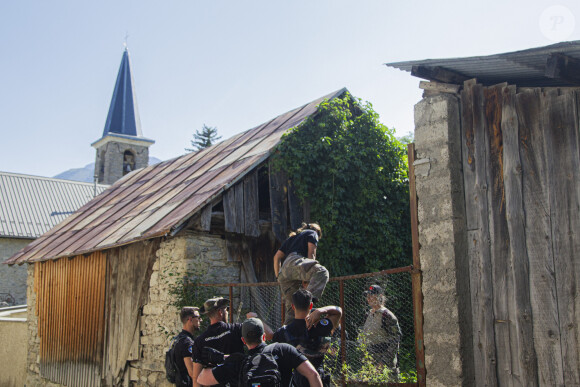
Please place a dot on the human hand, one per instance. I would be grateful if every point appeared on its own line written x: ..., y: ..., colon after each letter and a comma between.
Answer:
x: 313, y: 318
x: 252, y: 315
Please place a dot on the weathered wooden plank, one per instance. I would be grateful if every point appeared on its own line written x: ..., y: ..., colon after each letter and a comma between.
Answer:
x: 239, y: 192
x: 561, y: 131
x: 566, y: 68
x: 278, y: 203
x: 475, y: 155
x: 523, y: 358
x: 438, y: 74
x: 251, y: 205
x: 294, y: 207
x: 230, y: 210
x: 205, y: 218
x: 502, y: 281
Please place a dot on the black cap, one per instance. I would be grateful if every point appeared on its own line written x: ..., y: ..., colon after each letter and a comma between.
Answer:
x: 213, y: 304
x: 252, y: 329
x: 373, y: 289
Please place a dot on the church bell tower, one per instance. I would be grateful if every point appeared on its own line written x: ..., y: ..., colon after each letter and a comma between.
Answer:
x: 122, y: 148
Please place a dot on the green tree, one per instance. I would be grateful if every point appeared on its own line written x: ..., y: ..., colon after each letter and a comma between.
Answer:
x: 354, y: 173
x: 407, y: 138
x: 204, y: 138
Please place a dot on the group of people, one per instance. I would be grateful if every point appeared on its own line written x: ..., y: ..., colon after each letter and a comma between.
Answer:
x: 296, y: 355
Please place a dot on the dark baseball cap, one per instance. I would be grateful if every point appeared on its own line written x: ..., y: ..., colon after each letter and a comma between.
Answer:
x: 252, y: 329
x: 373, y: 289
x: 213, y: 304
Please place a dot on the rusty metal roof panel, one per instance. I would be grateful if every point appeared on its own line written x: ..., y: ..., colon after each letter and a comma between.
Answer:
x: 524, y: 68
x: 32, y: 205
x: 158, y: 199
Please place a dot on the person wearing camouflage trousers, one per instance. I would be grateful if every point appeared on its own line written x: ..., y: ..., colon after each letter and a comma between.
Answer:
x: 300, y: 266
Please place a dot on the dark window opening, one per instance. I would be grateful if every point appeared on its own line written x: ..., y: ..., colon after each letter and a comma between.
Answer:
x: 128, y: 162
x: 264, y: 193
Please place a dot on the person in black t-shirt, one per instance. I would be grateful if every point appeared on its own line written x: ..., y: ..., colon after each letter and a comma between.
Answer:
x: 311, y: 330
x: 300, y: 265
x: 190, y: 318
x: 220, y: 335
x: 286, y: 356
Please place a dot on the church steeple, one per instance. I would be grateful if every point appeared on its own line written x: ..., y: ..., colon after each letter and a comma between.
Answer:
x: 123, y: 115
x: 122, y: 148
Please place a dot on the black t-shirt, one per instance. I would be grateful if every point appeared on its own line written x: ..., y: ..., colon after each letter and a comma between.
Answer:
x: 182, y: 349
x: 299, y: 243
x: 287, y: 357
x: 313, y: 343
x: 224, y: 337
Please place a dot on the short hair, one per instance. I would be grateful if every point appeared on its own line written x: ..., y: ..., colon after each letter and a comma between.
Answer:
x: 187, y: 311
x: 252, y: 331
x: 301, y: 299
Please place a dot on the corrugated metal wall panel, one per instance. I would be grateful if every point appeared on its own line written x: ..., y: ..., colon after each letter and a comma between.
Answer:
x: 70, y: 306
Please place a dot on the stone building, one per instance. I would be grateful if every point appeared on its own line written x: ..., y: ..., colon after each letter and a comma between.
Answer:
x: 497, y: 180
x: 29, y: 207
x: 217, y: 215
x: 122, y: 148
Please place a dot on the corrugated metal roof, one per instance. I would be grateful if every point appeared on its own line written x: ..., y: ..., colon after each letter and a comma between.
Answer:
x: 524, y: 68
x: 32, y: 205
x: 153, y: 201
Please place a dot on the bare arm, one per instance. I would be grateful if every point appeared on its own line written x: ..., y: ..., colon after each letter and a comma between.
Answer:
x: 311, y: 250
x: 206, y: 378
x: 197, y: 368
x: 278, y: 257
x: 189, y: 365
x: 333, y: 313
x: 307, y: 370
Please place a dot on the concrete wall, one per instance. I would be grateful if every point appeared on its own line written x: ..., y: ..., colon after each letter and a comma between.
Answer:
x: 13, y: 330
x: 13, y: 278
x: 442, y: 237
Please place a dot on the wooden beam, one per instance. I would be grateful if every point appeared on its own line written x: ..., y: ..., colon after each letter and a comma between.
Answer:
x: 279, y: 203
x: 438, y: 74
x: 251, y: 207
x: 439, y: 87
x: 565, y: 68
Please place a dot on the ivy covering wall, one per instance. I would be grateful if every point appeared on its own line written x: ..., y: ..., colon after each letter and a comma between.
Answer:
x: 353, y: 171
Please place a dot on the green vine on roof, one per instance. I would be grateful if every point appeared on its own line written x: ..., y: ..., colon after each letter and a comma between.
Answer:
x: 354, y: 173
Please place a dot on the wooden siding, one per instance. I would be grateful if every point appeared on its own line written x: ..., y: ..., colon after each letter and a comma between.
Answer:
x: 70, y: 306
x: 522, y: 190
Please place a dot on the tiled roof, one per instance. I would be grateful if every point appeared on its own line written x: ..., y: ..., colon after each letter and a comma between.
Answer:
x: 154, y: 201
x: 32, y: 205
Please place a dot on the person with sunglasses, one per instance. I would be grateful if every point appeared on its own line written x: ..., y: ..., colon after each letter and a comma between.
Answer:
x: 220, y: 335
x: 183, y: 345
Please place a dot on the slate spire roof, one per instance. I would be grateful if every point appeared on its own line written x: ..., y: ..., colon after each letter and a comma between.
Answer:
x: 123, y: 117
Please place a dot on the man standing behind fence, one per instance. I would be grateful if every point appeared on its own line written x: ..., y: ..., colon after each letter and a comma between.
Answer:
x: 310, y: 332
x: 220, y: 335
x: 381, y: 332
x: 300, y: 265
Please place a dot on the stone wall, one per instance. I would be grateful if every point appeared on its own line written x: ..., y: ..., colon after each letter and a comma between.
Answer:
x: 109, y: 159
x: 442, y: 236
x: 13, y: 278
x: 201, y: 255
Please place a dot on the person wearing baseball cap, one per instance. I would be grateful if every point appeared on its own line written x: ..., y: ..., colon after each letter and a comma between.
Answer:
x: 381, y: 331
x: 286, y: 356
x: 220, y: 335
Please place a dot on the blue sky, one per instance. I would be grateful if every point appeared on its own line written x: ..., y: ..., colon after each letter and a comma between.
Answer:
x: 229, y: 64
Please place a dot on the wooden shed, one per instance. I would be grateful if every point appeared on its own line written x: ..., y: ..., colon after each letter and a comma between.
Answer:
x: 498, y: 185
x: 98, y: 283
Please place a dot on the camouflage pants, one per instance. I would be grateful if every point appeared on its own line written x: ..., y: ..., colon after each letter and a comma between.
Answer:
x: 296, y: 269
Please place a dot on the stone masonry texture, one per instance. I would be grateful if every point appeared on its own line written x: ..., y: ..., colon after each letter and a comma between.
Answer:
x: 198, y: 255
x: 112, y: 155
x: 13, y: 278
x: 442, y: 236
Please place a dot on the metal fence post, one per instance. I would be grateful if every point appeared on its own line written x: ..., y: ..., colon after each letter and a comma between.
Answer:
x: 343, y: 329
x: 416, y: 273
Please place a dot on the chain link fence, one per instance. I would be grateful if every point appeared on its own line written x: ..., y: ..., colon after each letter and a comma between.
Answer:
x: 365, y: 349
